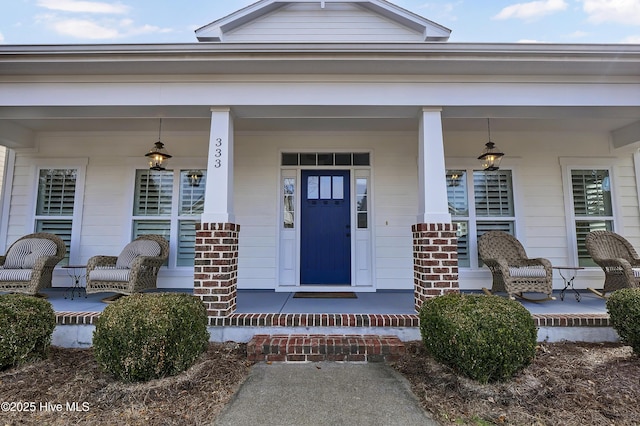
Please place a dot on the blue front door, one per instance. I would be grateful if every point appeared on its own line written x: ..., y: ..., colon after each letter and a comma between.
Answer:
x: 325, y: 234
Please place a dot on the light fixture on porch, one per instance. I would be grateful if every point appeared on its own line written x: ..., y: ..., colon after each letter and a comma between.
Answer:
x: 158, y: 155
x: 194, y: 177
x: 453, y: 178
x: 491, y: 156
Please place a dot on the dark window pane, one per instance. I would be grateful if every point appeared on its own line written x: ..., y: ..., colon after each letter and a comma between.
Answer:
x: 343, y: 159
x: 325, y: 159
x: 361, y: 159
x: 289, y: 159
x: 308, y: 159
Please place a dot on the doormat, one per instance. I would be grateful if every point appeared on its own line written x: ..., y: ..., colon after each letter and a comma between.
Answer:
x: 325, y: 295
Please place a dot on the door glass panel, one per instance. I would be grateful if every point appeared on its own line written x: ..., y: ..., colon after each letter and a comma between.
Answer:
x: 361, y: 199
x: 338, y: 188
x: 325, y: 187
x: 289, y: 202
x: 313, y: 190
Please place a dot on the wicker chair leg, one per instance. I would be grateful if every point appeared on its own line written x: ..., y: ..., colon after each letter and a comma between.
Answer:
x: 528, y: 299
x: 112, y: 299
x: 597, y: 293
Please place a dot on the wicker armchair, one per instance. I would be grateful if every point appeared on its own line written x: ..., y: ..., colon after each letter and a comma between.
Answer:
x: 513, y: 272
x: 134, y: 270
x: 28, y: 265
x: 617, y: 258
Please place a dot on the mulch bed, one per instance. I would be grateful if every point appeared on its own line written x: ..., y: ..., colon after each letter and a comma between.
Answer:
x: 71, y: 375
x: 567, y: 384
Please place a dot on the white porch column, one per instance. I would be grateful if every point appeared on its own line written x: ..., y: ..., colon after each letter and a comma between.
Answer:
x: 433, y: 206
x: 218, y: 205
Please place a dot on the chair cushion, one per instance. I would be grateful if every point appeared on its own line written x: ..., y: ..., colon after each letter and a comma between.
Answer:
x: 527, y: 272
x: 110, y: 274
x: 24, y: 253
x: 134, y: 249
x: 15, y: 274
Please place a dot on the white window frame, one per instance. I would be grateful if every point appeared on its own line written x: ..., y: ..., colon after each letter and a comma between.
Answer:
x: 568, y: 164
x: 174, y: 218
x: 469, y: 166
x: 78, y: 164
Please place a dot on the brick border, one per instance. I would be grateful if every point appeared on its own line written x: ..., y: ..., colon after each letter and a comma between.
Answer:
x: 320, y: 347
x: 346, y: 320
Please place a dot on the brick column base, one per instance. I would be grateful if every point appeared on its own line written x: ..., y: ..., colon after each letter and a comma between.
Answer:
x: 435, y: 261
x: 215, y: 278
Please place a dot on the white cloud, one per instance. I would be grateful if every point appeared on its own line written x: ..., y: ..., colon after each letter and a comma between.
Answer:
x: 1, y: 38
x: 84, y: 6
x: 531, y: 10
x: 578, y: 34
x: 85, y: 29
x: 530, y: 41
x: 617, y: 11
x: 105, y: 29
x: 632, y: 40
x: 442, y: 10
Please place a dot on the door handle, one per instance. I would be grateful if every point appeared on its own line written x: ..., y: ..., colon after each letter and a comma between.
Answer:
x: 349, y: 234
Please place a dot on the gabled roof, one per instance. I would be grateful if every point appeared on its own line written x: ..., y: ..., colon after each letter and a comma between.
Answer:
x: 216, y: 31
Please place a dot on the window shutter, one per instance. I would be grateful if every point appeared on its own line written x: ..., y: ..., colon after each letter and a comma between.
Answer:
x: 457, y: 192
x: 186, y: 243
x: 56, y: 192
x: 493, y: 193
x: 591, y: 195
x: 191, y: 197
x: 146, y: 227
x: 153, y: 193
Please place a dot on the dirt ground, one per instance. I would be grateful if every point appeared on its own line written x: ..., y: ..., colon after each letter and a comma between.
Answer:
x: 568, y: 384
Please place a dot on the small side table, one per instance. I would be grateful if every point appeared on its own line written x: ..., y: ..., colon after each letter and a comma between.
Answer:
x: 77, y: 273
x: 568, y: 274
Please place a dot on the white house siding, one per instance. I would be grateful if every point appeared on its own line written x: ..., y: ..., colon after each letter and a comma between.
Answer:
x: 308, y: 22
x: 257, y: 202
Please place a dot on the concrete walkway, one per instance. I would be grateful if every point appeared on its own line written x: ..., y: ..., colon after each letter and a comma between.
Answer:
x: 325, y: 393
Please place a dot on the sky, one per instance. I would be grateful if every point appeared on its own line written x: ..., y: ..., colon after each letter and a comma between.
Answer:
x: 174, y: 21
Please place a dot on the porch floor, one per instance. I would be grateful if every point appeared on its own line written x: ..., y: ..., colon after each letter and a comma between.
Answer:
x: 381, y: 302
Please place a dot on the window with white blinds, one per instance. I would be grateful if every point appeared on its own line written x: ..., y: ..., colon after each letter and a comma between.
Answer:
x: 592, y: 207
x: 55, y: 204
x: 169, y: 203
x: 490, y: 206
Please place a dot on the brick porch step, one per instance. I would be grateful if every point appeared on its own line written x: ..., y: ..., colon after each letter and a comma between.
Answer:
x: 320, y: 347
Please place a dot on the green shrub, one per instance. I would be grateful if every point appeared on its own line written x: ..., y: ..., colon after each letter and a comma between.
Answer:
x: 26, y: 326
x: 624, y: 312
x: 486, y: 338
x: 143, y: 337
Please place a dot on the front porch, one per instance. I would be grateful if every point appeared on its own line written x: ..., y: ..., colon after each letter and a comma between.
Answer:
x: 380, y: 313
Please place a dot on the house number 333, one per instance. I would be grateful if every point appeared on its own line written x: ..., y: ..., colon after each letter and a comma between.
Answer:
x: 218, y: 153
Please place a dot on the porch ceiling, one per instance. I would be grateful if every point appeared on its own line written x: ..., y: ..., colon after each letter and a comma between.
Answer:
x: 23, y: 120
